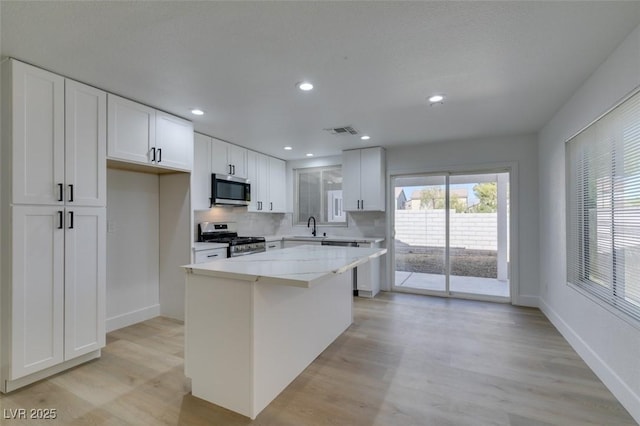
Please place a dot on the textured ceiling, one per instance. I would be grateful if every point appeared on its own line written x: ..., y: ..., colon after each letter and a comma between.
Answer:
x: 506, y: 67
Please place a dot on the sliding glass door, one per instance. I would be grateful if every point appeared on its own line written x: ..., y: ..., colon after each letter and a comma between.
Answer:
x: 452, y: 234
x: 420, y: 233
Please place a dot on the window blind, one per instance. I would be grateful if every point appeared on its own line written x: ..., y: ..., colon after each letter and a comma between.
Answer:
x: 603, y: 208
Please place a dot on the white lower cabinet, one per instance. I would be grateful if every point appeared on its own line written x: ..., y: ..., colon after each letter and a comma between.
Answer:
x: 208, y: 255
x: 57, y: 286
x: 368, y: 281
x: 84, y: 281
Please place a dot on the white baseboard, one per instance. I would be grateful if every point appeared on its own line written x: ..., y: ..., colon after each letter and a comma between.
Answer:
x: 134, y: 317
x: 528, y: 301
x: 623, y: 393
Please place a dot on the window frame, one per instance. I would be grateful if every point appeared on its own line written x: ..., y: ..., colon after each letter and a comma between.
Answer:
x: 323, y: 202
x: 609, y: 294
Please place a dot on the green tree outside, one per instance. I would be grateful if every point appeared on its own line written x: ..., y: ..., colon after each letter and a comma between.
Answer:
x: 434, y: 199
x: 487, y: 194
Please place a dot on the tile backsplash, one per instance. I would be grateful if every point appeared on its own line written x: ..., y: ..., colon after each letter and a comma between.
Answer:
x: 360, y: 224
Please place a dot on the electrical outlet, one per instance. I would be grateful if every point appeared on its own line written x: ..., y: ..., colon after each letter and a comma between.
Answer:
x: 111, y: 226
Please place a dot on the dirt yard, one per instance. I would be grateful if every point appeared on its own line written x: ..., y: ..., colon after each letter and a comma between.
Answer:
x: 430, y: 260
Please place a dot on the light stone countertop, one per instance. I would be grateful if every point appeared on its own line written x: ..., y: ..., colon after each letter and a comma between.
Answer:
x: 271, y: 238
x: 301, y: 266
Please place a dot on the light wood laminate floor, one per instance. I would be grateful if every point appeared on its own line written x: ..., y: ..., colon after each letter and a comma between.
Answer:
x: 406, y: 360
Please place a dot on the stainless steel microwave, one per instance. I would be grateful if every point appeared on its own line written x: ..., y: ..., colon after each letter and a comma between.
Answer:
x: 229, y: 190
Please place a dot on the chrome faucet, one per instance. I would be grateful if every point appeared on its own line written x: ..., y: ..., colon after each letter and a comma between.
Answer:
x: 314, y: 225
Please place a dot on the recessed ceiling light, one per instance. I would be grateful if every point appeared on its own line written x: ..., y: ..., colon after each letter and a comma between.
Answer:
x: 197, y: 111
x: 365, y: 137
x: 288, y: 148
x: 436, y: 99
x: 309, y: 155
x: 305, y: 86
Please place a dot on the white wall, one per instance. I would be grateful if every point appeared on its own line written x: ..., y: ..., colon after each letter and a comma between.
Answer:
x: 520, y: 152
x: 609, y: 345
x: 132, y: 247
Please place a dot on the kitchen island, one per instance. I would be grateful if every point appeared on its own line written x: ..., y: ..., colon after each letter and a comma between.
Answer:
x: 254, y: 323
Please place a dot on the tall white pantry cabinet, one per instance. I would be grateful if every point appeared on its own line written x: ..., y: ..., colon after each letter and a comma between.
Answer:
x: 53, y: 169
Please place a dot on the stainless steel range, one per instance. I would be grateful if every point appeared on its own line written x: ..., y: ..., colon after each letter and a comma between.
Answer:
x: 212, y: 232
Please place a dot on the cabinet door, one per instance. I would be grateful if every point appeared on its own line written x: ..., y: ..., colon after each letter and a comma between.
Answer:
x: 252, y: 176
x: 174, y: 142
x: 85, y: 145
x: 201, y: 174
x: 131, y: 130
x: 351, y: 179
x: 37, y: 289
x: 38, y: 135
x: 219, y: 157
x: 262, y: 184
x: 277, y: 185
x: 372, y: 179
x: 238, y: 159
x: 85, y: 280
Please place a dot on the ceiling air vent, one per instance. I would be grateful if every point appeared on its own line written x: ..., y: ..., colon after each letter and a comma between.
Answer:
x: 342, y: 130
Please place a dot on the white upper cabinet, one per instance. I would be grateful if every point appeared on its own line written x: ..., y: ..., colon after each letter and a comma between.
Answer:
x: 238, y: 160
x: 201, y: 174
x: 267, y: 176
x: 252, y: 176
x: 140, y: 134
x: 228, y: 159
x: 58, y: 133
x: 351, y: 179
x: 174, y: 142
x: 37, y: 133
x: 132, y: 131
x: 277, y: 185
x: 85, y: 145
x: 363, y: 178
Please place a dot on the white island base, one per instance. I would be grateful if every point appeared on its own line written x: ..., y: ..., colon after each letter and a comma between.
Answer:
x: 249, y: 334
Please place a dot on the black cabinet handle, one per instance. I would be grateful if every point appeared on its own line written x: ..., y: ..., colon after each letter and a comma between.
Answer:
x: 270, y: 206
x: 212, y: 255
x: 230, y: 172
x: 159, y: 155
x: 61, y: 192
x: 153, y: 155
x: 70, y: 220
x: 362, y: 204
x: 358, y: 205
x: 71, y: 193
x: 60, y: 219
x: 234, y: 169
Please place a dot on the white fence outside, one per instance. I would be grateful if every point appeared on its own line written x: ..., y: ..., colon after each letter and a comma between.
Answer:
x: 427, y: 228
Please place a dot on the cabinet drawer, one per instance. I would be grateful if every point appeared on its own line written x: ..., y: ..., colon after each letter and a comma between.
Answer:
x: 274, y: 245
x: 203, y: 256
